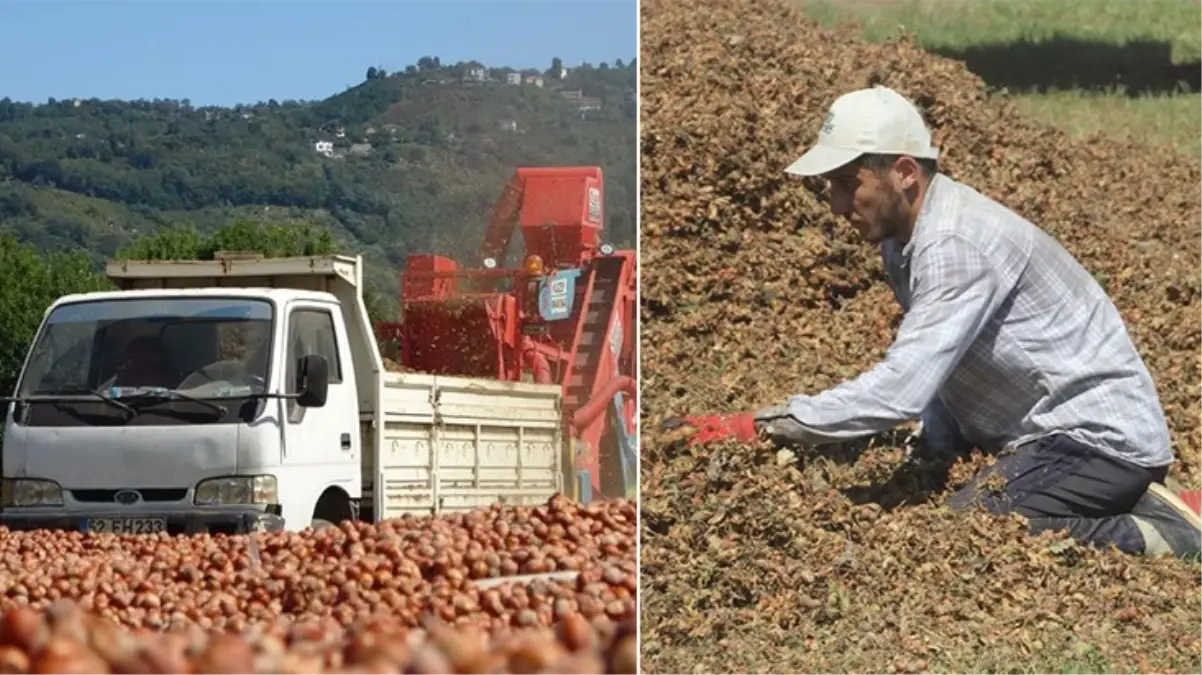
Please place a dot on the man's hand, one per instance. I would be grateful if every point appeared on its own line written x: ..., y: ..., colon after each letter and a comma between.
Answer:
x: 775, y: 423
x: 695, y: 430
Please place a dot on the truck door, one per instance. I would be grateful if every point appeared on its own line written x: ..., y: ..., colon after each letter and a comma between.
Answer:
x: 321, y: 445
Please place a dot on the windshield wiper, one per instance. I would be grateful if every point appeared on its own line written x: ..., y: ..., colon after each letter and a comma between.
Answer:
x: 161, y: 395
x: 69, y: 395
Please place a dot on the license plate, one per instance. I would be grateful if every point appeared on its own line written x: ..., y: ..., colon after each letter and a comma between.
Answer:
x: 126, y: 525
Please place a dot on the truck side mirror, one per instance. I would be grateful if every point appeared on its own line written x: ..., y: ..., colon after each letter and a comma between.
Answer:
x: 313, y: 380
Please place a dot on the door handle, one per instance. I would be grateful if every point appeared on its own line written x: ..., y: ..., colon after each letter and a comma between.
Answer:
x: 346, y: 441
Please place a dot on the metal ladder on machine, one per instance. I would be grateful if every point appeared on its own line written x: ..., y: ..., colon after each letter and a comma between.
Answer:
x: 597, y: 316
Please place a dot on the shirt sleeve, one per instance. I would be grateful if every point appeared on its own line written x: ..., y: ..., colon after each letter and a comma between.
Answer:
x: 954, y: 292
x: 941, y: 431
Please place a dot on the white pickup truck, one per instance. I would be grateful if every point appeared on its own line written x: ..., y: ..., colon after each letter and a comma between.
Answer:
x: 246, y: 393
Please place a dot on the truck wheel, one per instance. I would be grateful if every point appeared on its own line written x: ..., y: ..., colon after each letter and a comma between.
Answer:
x: 331, y: 509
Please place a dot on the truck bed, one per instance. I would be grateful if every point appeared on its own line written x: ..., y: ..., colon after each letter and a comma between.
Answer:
x: 452, y: 443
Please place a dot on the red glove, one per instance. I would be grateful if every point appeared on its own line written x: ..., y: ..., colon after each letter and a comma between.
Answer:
x: 715, y: 428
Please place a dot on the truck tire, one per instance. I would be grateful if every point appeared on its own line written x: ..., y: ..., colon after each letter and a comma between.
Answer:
x: 332, y: 508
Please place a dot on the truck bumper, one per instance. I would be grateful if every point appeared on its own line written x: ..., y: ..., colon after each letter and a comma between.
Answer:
x: 198, y: 521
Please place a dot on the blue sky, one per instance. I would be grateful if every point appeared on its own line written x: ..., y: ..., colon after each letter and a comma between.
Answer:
x: 221, y: 52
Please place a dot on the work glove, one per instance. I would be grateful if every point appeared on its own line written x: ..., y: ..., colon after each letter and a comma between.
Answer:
x: 707, y: 429
x: 775, y: 423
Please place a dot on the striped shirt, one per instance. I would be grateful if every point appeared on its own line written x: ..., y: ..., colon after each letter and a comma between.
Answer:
x: 1006, y: 337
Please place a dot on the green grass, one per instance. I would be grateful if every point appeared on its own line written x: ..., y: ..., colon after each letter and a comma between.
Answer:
x: 964, y: 23
x: 1118, y: 67
x: 1172, y: 120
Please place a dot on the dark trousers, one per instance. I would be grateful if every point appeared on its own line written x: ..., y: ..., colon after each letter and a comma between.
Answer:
x: 1060, y: 484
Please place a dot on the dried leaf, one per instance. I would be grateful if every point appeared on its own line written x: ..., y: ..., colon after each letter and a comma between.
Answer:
x: 751, y: 292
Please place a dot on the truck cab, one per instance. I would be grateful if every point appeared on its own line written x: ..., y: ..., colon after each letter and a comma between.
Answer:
x: 244, y: 394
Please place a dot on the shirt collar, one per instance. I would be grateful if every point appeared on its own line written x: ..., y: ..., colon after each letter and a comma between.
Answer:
x: 924, y: 213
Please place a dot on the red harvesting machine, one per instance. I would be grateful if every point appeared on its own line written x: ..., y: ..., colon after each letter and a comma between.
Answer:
x: 564, y: 316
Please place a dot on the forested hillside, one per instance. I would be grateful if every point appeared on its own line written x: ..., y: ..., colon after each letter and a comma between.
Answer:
x: 404, y: 162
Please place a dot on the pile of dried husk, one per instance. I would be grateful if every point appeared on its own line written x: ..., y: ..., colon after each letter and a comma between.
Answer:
x: 752, y: 292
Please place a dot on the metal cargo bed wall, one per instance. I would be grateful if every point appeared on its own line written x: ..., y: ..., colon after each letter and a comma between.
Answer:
x: 314, y: 283
x: 453, y: 444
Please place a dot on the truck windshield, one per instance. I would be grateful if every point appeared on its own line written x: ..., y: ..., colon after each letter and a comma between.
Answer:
x: 198, y: 347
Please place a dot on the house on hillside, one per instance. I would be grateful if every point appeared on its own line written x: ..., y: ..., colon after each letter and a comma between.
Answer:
x: 509, y: 125
x: 582, y: 102
x: 360, y: 149
x: 324, y: 148
x: 588, y: 103
x: 513, y: 78
x: 536, y: 80
x: 476, y: 75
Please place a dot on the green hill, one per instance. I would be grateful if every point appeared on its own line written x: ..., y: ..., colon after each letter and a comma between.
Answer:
x: 414, y: 160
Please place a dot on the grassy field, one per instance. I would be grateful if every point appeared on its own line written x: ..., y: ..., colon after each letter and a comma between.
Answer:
x: 1119, y: 67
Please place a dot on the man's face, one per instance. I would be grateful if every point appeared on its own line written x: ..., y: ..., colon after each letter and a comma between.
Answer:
x: 869, y: 201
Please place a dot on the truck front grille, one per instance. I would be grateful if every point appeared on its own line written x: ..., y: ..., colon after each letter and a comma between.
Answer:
x: 148, y: 495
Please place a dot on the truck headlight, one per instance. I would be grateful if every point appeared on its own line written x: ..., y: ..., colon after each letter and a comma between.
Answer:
x: 30, y: 492
x: 237, y: 490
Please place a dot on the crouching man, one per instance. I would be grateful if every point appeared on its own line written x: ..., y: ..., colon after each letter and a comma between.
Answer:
x: 1007, y: 344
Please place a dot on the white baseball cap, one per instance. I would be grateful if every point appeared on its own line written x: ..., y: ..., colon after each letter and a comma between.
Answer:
x: 877, y: 121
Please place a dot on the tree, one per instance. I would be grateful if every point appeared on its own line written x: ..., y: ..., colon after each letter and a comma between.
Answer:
x: 273, y: 241
x: 108, y: 172
x: 32, y: 281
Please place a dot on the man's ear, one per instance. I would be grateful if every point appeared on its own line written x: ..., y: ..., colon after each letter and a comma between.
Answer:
x: 906, y: 173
